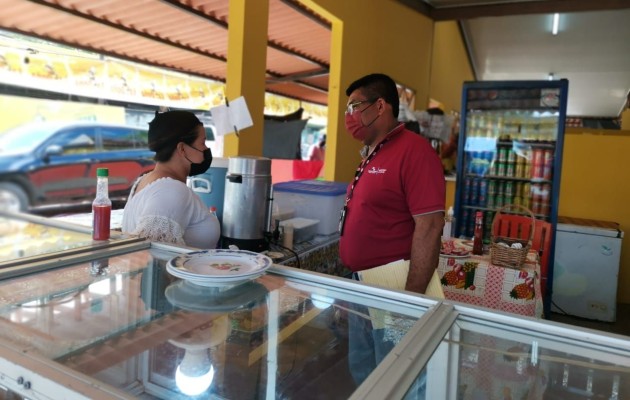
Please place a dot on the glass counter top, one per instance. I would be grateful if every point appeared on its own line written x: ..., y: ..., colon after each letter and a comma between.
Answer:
x: 126, y: 323
x: 25, y: 238
x: 114, y: 323
x: 497, y: 361
x: 19, y: 239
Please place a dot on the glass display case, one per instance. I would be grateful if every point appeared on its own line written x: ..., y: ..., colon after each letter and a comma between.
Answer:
x: 116, y: 324
x: 25, y: 238
x: 122, y: 323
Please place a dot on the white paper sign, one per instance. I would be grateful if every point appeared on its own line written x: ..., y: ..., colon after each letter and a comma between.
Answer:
x: 232, y: 118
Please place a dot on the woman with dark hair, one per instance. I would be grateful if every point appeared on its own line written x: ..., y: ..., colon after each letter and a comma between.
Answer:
x: 160, y: 206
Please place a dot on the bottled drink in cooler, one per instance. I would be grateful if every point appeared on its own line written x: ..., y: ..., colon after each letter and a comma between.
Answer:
x: 483, y: 193
x: 101, y: 207
x: 478, y: 235
x: 448, y: 224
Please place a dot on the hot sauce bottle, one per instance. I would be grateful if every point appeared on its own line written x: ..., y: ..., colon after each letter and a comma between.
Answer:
x: 101, y: 207
x: 478, y: 237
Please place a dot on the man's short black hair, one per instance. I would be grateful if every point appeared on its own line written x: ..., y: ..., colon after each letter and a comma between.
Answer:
x: 377, y: 86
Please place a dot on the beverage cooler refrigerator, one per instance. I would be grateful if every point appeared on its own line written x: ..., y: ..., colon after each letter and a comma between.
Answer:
x: 510, y: 152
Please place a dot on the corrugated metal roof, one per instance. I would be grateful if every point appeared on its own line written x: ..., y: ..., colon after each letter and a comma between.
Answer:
x: 189, y: 36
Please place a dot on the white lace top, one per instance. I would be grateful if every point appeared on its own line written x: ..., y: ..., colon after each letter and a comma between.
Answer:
x: 166, y: 210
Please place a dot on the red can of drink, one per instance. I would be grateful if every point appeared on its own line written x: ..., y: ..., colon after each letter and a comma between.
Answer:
x: 548, y: 159
x: 538, y: 171
x: 538, y: 156
x: 537, y: 196
x: 545, y: 193
x: 536, y: 207
x: 544, y: 209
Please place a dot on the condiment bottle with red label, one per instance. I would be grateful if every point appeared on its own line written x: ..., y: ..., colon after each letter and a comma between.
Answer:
x: 101, y: 207
x: 478, y: 237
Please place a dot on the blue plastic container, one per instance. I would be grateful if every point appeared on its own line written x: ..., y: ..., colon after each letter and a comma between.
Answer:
x: 313, y: 199
x: 210, y: 186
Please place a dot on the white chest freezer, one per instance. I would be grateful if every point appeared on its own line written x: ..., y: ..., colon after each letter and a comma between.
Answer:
x: 586, y: 268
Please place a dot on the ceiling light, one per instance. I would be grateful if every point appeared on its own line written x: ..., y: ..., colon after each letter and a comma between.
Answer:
x: 550, y: 76
x: 556, y: 21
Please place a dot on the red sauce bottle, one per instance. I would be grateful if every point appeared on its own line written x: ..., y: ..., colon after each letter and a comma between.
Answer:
x: 478, y: 237
x: 101, y: 207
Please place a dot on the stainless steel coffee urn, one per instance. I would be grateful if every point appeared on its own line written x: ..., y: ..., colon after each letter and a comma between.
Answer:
x: 247, y: 203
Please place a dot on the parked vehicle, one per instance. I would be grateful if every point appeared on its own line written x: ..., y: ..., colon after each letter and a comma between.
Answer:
x: 53, y: 165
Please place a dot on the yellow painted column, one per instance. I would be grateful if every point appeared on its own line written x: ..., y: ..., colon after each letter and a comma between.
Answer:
x: 400, y: 47
x: 246, y: 66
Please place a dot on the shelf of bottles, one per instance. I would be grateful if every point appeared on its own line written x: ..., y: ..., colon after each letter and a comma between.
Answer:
x: 508, y: 159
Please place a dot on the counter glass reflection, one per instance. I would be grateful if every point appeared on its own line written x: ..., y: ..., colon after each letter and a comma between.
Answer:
x: 493, y: 361
x: 124, y: 321
x: 21, y: 238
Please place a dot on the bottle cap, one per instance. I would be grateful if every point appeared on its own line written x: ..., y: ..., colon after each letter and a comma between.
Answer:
x: 102, y: 172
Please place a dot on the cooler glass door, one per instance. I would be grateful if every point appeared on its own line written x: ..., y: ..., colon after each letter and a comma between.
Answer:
x: 509, y: 152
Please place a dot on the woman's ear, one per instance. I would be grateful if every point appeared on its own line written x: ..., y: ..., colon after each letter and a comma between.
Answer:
x: 180, y: 147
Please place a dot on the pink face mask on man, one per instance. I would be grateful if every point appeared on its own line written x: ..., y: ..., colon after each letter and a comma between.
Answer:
x: 355, y: 127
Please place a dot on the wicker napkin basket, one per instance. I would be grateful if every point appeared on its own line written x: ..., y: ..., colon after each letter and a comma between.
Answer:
x: 507, y: 256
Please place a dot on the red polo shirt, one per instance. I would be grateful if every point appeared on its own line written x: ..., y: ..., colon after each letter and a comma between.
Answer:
x: 405, y: 178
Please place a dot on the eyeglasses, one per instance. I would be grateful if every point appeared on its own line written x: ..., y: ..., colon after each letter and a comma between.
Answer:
x: 352, y: 107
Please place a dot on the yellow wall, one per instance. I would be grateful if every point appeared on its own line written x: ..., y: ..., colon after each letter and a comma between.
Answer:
x: 625, y: 120
x: 450, y: 193
x: 370, y: 36
x: 595, y: 185
x: 450, y: 66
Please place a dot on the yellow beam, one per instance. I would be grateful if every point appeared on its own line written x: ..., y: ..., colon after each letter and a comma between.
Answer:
x: 246, y: 65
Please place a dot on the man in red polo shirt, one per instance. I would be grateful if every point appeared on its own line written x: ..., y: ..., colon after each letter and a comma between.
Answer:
x: 395, y: 204
x: 394, y: 210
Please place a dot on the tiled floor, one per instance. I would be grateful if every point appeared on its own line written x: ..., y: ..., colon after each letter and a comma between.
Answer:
x: 621, y: 326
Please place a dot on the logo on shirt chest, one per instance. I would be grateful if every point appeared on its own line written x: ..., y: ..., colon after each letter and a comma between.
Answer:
x: 376, y: 171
